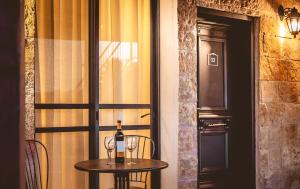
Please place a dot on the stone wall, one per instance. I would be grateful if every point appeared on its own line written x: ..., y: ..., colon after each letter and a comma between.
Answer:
x: 278, y: 128
x: 278, y: 91
x: 29, y: 67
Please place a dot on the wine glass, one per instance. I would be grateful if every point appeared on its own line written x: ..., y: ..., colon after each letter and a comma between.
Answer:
x: 131, y: 144
x: 109, y: 143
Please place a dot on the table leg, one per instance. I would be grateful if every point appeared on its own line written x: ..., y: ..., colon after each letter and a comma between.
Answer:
x: 122, y: 181
x: 128, y: 181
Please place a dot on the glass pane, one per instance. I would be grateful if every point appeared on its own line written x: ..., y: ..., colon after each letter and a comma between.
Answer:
x: 128, y: 117
x: 61, y: 62
x: 64, y: 150
x: 124, y: 47
x: 108, y: 178
x: 61, y: 118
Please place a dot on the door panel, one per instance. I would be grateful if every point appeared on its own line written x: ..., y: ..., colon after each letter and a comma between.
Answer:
x: 213, y: 146
x: 212, y: 69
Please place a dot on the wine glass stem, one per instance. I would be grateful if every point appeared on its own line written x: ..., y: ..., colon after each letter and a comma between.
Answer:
x: 109, y: 157
x: 131, y: 156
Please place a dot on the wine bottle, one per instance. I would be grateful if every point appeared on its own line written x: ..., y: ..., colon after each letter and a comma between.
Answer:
x: 120, y: 147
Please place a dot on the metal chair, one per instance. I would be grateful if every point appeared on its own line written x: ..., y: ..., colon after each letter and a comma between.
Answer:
x: 143, y: 141
x: 139, y: 153
x: 33, y: 174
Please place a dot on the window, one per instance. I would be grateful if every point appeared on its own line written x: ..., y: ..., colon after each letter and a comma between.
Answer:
x: 87, y: 76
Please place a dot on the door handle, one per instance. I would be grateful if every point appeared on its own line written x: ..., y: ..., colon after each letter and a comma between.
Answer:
x: 216, y: 124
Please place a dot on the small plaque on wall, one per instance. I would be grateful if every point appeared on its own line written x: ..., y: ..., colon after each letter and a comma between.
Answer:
x: 212, y: 59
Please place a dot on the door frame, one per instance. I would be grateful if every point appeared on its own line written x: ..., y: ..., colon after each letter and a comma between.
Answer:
x: 254, y: 22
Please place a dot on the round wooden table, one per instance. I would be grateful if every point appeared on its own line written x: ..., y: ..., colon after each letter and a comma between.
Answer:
x: 121, y: 171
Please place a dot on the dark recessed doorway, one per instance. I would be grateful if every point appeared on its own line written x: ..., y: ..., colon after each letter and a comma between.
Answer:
x: 226, y: 99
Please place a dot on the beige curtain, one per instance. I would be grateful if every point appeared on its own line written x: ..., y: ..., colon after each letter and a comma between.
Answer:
x: 62, y: 77
x: 124, y: 58
x: 124, y: 65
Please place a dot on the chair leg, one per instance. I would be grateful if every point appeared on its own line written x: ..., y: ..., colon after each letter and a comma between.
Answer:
x: 128, y: 181
x: 116, y: 181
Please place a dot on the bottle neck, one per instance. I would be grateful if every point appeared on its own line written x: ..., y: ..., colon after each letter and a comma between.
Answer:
x: 119, y: 127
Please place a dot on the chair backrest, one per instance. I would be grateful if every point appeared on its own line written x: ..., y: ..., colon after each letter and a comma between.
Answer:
x: 144, y: 145
x: 33, y: 172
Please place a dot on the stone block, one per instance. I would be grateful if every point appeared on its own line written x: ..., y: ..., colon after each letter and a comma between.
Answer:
x: 29, y: 50
x: 289, y: 92
x: 263, y: 162
x: 188, y: 114
x: 29, y: 18
x: 187, y: 184
x: 268, y: 7
x: 187, y: 141
x: 269, y: 91
x: 187, y: 62
x: 270, y: 24
x: 187, y: 32
x: 293, y: 73
x: 295, y: 184
x: 274, y: 181
x: 291, y: 148
x: 188, y: 167
x: 188, y: 88
x: 249, y: 7
x: 275, y: 137
x: 286, y: 3
x: 286, y: 157
x: 275, y: 159
x: 289, y: 136
x: 272, y: 69
x: 271, y: 114
x: 263, y: 137
x: 280, y: 48
x: 292, y: 114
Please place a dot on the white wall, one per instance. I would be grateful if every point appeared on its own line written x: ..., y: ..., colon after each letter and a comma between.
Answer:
x: 169, y: 81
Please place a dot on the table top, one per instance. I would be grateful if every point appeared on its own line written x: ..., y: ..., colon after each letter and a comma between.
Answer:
x: 100, y: 166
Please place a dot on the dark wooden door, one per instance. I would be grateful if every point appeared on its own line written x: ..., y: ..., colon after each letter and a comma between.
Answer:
x: 213, y: 104
x: 224, y: 104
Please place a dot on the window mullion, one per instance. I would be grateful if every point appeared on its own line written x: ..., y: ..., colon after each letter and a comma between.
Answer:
x: 93, y: 87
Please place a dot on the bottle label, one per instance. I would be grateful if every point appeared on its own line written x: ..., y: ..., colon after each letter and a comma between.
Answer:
x: 120, y: 146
